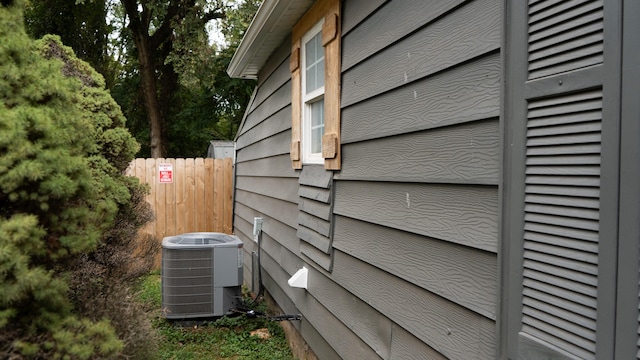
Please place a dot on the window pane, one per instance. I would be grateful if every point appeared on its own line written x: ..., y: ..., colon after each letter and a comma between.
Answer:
x: 317, y: 113
x: 310, y: 59
x: 317, y: 125
x: 320, y: 72
x: 314, y: 63
x: 316, y: 144
x: 310, y: 52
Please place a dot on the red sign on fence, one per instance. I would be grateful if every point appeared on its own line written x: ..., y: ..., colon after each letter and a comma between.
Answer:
x: 165, y: 173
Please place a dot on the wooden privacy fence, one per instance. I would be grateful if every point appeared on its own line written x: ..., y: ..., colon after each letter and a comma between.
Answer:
x: 187, y: 195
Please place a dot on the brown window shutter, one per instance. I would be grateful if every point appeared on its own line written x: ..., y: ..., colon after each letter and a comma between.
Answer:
x: 331, y: 42
x: 295, y: 151
x: 296, y: 114
x: 330, y: 146
x: 329, y: 29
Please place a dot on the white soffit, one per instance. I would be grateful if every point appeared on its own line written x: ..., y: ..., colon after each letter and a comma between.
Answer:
x: 270, y: 26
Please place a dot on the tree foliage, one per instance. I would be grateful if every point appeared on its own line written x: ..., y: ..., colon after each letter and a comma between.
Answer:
x: 169, y: 80
x: 82, y: 26
x: 212, y: 107
x: 162, y: 32
x: 63, y: 149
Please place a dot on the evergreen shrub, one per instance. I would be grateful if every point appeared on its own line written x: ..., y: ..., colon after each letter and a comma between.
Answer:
x: 68, y: 215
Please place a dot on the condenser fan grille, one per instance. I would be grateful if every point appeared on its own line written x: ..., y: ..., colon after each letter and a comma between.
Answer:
x: 188, y: 279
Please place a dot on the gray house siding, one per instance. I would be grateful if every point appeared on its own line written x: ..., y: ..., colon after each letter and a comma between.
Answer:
x: 416, y: 203
x: 267, y: 187
x: 401, y: 243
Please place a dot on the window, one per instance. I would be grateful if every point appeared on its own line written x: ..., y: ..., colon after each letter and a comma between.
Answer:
x: 312, y: 56
x: 315, y: 87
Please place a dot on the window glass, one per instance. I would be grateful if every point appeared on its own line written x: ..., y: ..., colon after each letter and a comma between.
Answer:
x: 317, y: 126
x: 314, y: 63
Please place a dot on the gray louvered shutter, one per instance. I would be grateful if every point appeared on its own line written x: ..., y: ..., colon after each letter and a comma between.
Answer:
x: 564, y: 36
x: 561, y: 221
x: 562, y: 180
x: 559, y: 195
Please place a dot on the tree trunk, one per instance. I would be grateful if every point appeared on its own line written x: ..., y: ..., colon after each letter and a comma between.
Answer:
x: 155, y: 113
x: 147, y: 48
x: 159, y: 80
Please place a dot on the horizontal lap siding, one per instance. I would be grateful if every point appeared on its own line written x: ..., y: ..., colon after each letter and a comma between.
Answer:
x: 346, y: 343
x: 452, y: 330
x: 283, y: 188
x: 280, y: 264
x: 465, y: 215
x: 355, y: 11
x: 275, y: 102
x: 274, y: 145
x: 461, y: 94
x: 468, y: 32
x: 468, y: 153
x: 277, y: 123
x: 416, y: 204
x: 282, y: 211
x: 382, y: 29
x: 276, y: 166
x: 285, y: 234
x: 295, y: 207
x: 460, y: 274
x: 266, y: 185
x: 407, y: 346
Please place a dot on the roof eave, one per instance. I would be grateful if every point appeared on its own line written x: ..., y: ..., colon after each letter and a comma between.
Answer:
x: 269, y: 27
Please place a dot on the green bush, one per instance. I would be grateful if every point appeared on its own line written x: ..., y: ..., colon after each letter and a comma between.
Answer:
x: 68, y: 213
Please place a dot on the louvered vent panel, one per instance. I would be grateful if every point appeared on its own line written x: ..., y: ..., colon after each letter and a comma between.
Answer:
x: 188, y: 278
x: 564, y: 36
x: 562, y: 221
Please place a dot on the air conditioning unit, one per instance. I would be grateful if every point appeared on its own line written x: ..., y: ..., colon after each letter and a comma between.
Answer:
x: 201, y: 275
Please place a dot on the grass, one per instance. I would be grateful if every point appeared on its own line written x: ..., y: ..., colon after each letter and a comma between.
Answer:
x: 225, y: 338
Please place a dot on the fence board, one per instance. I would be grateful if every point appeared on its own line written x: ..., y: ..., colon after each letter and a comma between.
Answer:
x: 200, y: 216
x: 227, y: 196
x: 190, y: 195
x: 139, y: 168
x: 218, y: 190
x: 181, y: 205
x: 209, y: 183
x: 160, y: 209
x: 170, y: 202
x: 200, y: 198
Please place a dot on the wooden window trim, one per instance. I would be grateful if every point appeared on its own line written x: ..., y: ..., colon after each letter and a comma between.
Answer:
x: 309, y: 98
x: 330, y: 11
